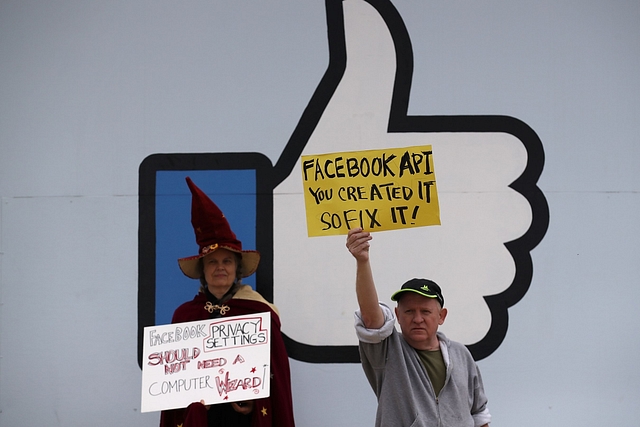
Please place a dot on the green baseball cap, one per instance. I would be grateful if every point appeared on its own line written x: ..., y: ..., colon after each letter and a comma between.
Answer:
x: 425, y: 287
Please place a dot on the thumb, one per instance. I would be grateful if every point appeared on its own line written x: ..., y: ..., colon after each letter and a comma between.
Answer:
x: 477, y: 159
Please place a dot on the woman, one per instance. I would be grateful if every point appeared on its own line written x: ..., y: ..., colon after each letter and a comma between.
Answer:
x: 220, y: 265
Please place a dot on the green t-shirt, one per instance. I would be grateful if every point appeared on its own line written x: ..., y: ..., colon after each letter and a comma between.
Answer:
x: 434, y: 364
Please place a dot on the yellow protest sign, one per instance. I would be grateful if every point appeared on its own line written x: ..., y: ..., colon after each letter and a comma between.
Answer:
x: 373, y: 189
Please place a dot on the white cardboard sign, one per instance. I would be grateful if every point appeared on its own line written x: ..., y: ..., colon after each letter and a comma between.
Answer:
x: 215, y: 360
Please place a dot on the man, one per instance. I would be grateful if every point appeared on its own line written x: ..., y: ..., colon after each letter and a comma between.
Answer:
x: 420, y: 377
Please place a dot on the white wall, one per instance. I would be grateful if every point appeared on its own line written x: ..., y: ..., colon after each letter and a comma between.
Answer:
x: 90, y: 89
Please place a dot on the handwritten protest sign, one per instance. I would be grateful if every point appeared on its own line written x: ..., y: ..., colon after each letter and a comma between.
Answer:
x: 215, y: 360
x: 374, y: 189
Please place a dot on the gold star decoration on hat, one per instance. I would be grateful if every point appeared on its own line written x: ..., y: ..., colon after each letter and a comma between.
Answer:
x: 264, y: 411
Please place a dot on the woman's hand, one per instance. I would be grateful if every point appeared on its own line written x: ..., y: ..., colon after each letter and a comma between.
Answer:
x: 244, y: 407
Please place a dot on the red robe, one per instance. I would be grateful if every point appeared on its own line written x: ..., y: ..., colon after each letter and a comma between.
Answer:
x: 273, y: 411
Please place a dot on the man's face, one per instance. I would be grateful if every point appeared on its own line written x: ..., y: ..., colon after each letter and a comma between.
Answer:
x: 419, y: 318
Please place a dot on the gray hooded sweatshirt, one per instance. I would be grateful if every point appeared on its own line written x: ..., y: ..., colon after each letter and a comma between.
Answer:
x: 402, y: 386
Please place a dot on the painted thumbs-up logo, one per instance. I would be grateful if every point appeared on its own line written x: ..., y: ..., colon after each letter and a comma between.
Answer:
x: 492, y: 212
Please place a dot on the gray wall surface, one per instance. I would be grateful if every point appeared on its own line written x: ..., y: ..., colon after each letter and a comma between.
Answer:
x: 88, y: 90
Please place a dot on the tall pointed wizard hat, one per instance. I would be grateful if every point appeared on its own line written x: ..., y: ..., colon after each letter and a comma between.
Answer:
x: 213, y: 232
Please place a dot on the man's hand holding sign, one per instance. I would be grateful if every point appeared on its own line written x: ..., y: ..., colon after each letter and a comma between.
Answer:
x: 375, y: 190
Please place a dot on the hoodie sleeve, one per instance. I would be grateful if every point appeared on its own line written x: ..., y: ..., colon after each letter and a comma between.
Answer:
x: 374, y: 336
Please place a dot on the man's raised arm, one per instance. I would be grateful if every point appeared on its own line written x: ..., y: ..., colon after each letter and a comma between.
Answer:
x: 370, y: 311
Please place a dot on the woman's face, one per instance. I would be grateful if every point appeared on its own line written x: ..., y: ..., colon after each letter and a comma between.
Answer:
x: 219, y: 268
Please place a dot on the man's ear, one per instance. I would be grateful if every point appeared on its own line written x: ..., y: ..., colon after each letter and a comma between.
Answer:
x: 443, y: 315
